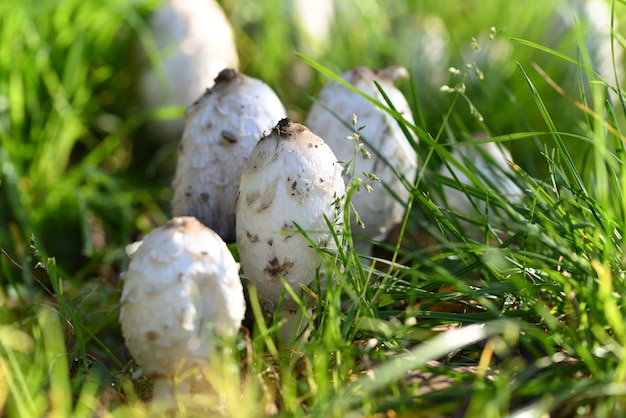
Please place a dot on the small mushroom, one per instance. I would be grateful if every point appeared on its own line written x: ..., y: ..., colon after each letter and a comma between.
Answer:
x: 181, y: 291
x: 221, y: 129
x: 490, y: 162
x: 392, y: 153
x: 291, y: 177
x: 195, y: 42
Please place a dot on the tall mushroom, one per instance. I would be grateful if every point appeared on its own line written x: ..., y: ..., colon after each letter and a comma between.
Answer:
x: 490, y: 163
x: 392, y: 153
x: 222, y: 128
x: 195, y: 42
x: 181, y: 291
x: 292, y: 177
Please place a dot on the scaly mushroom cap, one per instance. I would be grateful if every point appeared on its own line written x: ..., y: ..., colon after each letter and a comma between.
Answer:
x: 489, y: 162
x: 196, y: 42
x: 222, y: 128
x: 182, y: 285
x: 291, y: 176
x: 379, y: 210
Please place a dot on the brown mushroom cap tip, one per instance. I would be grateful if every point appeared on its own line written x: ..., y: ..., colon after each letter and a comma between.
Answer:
x: 227, y: 74
x: 282, y: 125
x: 287, y: 129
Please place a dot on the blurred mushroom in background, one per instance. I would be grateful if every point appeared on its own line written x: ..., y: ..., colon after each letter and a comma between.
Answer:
x: 392, y: 154
x: 194, y: 42
x: 490, y: 163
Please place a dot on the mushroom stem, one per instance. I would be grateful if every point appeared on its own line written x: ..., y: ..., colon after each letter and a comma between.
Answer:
x: 296, y: 326
x: 166, y: 389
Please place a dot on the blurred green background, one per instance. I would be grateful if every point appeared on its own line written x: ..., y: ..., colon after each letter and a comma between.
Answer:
x: 79, y: 175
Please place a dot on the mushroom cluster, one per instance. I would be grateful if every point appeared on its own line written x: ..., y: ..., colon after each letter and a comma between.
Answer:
x: 292, y: 177
x: 392, y: 153
x: 222, y: 127
x: 246, y: 173
x: 195, y: 42
x: 181, y: 290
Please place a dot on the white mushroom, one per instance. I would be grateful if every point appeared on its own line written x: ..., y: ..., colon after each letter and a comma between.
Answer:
x: 181, y: 290
x: 392, y: 153
x: 429, y: 52
x: 292, y: 176
x: 222, y: 128
x: 196, y: 42
x: 594, y: 17
x: 314, y: 20
x: 489, y: 162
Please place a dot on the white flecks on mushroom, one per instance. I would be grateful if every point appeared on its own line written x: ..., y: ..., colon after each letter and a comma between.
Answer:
x: 195, y: 42
x: 392, y: 153
x: 489, y: 162
x: 292, y: 177
x: 222, y: 128
x: 181, y: 290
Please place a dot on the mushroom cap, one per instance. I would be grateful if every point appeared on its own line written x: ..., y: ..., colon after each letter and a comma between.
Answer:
x: 196, y: 42
x: 222, y: 128
x: 489, y: 161
x: 181, y: 289
x: 291, y: 176
x: 379, y: 210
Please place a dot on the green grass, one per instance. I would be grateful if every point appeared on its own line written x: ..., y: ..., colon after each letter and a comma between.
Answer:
x: 527, y: 321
